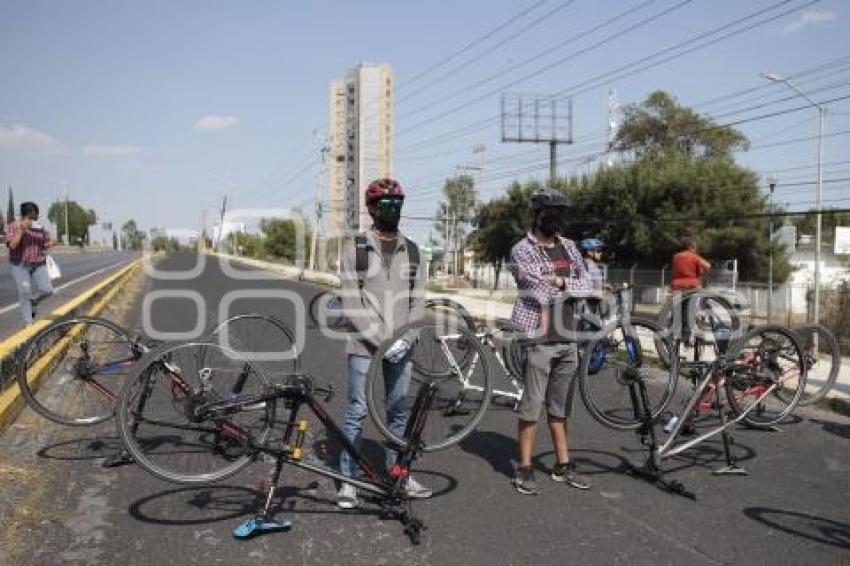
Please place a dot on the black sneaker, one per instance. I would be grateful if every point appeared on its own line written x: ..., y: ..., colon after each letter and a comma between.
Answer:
x: 524, y: 481
x: 567, y: 473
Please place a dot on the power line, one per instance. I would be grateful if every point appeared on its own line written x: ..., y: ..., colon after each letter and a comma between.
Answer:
x: 611, y: 75
x: 607, y: 39
x: 652, y: 219
x: 798, y: 140
x: 623, y: 71
x: 537, y: 56
x: 841, y: 61
x: 488, y: 51
x: 779, y: 100
x: 470, y: 45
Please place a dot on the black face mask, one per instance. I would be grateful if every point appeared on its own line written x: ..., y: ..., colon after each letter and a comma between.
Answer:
x: 548, y: 225
x: 387, y: 220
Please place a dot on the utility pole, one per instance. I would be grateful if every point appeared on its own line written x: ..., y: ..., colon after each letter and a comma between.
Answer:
x: 613, y: 107
x: 317, y: 204
x: 771, y: 181
x: 468, y: 170
x: 818, y: 226
x: 447, y: 239
x: 454, y: 241
x: 67, y: 233
x: 221, y: 225
x: 202, y: 233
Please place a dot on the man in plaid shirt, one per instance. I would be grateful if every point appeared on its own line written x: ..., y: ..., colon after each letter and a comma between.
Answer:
x: 544, y: 265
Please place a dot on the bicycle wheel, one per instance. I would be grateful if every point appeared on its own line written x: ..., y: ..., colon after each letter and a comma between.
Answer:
x: 711, y: 308
x: 625, y: 352
x: 767, y: 375
x: 71, y: 371
x: 449, y: 308
x: 823, y: 361
x: 463, y: 394
x: 449, y: 315
x: 179, y: 417
x: 266, y: 341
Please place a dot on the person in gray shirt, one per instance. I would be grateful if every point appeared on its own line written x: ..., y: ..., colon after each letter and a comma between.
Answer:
x: 382, y: 287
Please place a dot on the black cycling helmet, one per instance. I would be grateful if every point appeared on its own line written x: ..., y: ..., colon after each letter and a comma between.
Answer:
x: 548, y: 198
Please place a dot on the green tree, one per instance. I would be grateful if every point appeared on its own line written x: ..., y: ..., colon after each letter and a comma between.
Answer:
x: 131, y: 237
x: 660, y: 125
x: 455, y: 212
x: 79, y: 220
x: 10, y: 210
x: 250, y: 245
x: 498, y: 225
x: 114, y: 241
x: 683, y: 182
x: 162, y: 243
x: 282, y: 238
x: 644, y: 210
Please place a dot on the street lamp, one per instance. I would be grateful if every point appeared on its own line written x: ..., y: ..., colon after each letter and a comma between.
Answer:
x: 771, y: 181
x: 821, y: 122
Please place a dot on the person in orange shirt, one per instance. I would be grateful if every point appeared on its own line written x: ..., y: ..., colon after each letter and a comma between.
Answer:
x: 688, y: 268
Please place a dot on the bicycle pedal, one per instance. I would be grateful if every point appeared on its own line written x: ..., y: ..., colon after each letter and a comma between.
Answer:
x: 733, y: 470
x: 255, y: 527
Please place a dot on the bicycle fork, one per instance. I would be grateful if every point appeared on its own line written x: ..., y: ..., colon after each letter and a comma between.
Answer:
x: 651, y: 470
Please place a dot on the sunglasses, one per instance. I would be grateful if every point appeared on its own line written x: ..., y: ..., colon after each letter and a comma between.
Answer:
x: 388, y: 203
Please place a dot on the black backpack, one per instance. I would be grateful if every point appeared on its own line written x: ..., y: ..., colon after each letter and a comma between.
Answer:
x: 361, y: 262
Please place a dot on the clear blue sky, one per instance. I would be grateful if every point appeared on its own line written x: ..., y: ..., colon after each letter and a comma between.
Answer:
x: 154, y: 110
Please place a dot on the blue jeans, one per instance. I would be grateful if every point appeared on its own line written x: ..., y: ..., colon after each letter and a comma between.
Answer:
x: 397, y: 379
x: 24, y: 276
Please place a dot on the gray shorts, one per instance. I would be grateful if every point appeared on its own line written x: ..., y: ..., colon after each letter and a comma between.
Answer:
x: 549, y: 376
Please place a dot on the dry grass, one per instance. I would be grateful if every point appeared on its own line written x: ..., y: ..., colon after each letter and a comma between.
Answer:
x: 27, y: 508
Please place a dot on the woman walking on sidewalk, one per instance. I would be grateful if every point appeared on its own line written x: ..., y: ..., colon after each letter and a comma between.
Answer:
x: 28, y: 241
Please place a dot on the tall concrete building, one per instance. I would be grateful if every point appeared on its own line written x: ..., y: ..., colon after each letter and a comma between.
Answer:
x: 361, y: 136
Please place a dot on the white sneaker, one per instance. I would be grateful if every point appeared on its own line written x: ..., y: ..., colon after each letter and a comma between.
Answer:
x: 416, y: 490
x: 346, y: 497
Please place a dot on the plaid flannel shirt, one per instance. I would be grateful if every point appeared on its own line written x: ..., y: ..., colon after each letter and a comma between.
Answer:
x: 30, y: 250
x: 531, y: 266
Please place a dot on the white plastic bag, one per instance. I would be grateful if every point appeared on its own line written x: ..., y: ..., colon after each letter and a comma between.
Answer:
x: 52, y: 268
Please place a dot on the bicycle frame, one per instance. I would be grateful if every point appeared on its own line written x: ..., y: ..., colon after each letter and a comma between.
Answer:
x: 395, y: 502
x: 486, y: 338
x: 710, y: 372
x: 138, y: 351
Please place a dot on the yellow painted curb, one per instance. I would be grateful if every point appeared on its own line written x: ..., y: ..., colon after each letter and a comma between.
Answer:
x: 11, y: 399
x: 10, y: 344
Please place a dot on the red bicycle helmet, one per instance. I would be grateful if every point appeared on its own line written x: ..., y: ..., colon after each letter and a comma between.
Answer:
x: 383, y: 188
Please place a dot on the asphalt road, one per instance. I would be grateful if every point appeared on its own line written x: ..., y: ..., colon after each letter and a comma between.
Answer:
x: 59, y: 506
x: 79, y: 271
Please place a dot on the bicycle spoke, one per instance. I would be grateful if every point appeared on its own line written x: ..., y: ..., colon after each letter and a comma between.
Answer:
x: 174, y: 418
x: 61, y: 363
